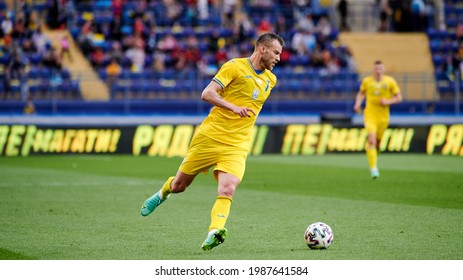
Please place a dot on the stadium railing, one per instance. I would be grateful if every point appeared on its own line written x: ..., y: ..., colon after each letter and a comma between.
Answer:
x: 302, y: 94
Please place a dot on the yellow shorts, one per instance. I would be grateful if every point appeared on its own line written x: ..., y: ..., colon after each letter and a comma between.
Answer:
x: 376, y: 126
x: 204, y: 152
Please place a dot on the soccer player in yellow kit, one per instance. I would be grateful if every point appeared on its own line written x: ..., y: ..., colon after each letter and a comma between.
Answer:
x: 380, y: 91
x: 238, y: 92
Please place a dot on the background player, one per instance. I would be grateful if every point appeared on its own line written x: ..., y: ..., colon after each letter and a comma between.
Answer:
x: 380, y: 91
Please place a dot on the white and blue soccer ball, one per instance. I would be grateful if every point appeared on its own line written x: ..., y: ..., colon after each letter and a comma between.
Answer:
x: 318, y: 236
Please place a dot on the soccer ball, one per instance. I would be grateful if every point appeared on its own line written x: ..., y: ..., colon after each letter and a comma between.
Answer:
x: 318, y: 236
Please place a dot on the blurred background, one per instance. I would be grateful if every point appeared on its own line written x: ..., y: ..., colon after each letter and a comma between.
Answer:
x: 134, y: 62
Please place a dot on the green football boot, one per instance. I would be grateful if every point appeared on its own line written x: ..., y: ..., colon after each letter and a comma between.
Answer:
x: 214, y: 238
x: 152, y: 203
x: 374, y: 173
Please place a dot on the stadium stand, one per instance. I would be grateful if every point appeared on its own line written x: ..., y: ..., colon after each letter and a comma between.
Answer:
x: 447, y: 50
x: 158, y: 50
x: 162, y: 57
x: 29, y: 64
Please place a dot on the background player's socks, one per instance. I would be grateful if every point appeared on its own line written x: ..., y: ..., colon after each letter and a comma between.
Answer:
x: 372, y: 156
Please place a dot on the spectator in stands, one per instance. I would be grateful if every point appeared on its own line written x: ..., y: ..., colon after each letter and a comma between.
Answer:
x: 192, y: 53
x: 138, y: 27
x: 203, y: 9
x: 85, y: 38
x: 330, y: 63
x: 118, y: 8
x: 116, y: 52
x: 214, y: 40
x: 70, y: 13
x: 280, y: 25
x: 151, y: 40
x: 174, y: 11
x: 418, y: 15
x: 316, y: 7
x: 221, y: 56
x: 178, y: 58
x: 113, y: 70
x: 56, y: 14
x: 264, y: 26
x: 229, y: 12
x: 301, y: 7
x: 29, y: 108
x: 323, y: 27
x: 243, y: 29
x: 65, y: 48
x: 384, y: 14
x: 305, y: 23
x: 449, y: 67
x: 343, y: 9
x: 141, y: 7
x: 115, y: 29
x: 98, y: 57
x: 168, y: 43
x: 262, y: 3
x: 26, y: 9
x: 7, y: 24
x: 303, y: 42
x: 51, y: 58
x: 159, y: 60
x: 16, y: 72
x: 190, y: 15
x: 459, y: 33
x: 457, y: 59
x: 233, y: 51
x: 40, y: 41
x: 28, y: 47
x: 19, y: 29
x: 136, y: 55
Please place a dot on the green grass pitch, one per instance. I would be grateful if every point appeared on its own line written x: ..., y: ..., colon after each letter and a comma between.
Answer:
x: 87, y: 207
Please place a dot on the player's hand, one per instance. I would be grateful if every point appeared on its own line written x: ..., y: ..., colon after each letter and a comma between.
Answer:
x: 384, y: 101
x: 244, y: 112
x: 357, y: 108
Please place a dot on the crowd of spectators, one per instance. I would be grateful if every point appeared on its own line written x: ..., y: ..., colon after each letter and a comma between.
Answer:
x: 200, y: 34
x: 405, y: 15
x: 191, y: 35
x: 23, y: 47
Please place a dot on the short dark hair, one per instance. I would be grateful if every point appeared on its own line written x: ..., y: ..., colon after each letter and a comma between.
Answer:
x: 266, y: 38
x: 377, y: 62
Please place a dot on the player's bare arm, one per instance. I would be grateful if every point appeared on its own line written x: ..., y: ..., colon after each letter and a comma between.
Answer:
x: 358, y: 101
x: 210, y: 94
x: 397, y: 98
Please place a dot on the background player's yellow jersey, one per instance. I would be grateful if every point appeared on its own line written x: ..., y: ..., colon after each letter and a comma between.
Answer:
x: 242, y: 85
x: 374, y: 91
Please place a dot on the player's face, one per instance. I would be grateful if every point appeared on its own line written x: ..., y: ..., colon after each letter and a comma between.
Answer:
x: 271, y: 55
x: 378, y: 70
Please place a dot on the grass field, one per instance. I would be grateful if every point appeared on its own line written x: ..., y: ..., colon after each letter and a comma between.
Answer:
x: 87, y: 207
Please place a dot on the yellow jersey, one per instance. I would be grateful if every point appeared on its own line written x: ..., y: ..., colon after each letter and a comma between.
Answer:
x: 374, y: 91
x: 242, y: 85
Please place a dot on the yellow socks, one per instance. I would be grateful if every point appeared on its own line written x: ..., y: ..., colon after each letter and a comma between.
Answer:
x: 165, y: 190
x: 220, y: 211
x: 372, y: 155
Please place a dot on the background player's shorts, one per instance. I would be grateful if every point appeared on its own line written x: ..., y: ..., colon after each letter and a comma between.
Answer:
x: 204, y: 152
x: 373, y: 125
